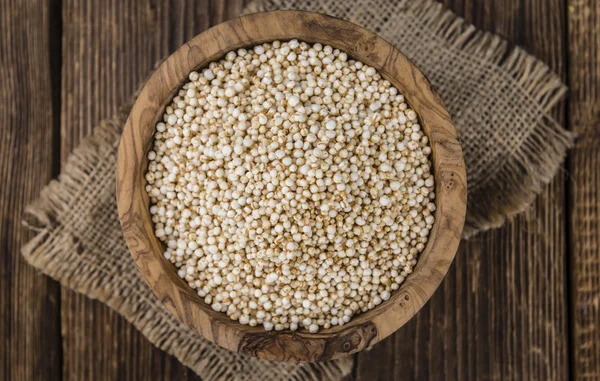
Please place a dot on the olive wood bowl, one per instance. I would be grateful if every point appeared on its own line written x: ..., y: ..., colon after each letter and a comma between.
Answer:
x: 364, y: 329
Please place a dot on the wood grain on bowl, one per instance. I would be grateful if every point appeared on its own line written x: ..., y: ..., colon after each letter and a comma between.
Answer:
x: 133, y: 203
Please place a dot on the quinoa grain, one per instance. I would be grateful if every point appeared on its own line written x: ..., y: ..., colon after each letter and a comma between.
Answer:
x: 291, y: 186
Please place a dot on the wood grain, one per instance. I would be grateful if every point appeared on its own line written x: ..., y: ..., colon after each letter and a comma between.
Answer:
x: 29, y: 302
x: 584, y: 187
x: 133, y: 201
x: 108, y: 48
x: 112, y: 45
x: 501, y: 312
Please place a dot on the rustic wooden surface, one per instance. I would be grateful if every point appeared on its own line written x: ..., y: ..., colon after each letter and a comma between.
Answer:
x: 583, y: 188
x: 29, y: 302
x: 521, y: 302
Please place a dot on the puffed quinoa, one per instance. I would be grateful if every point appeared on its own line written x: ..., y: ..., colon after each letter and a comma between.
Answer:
x: 291, y: 186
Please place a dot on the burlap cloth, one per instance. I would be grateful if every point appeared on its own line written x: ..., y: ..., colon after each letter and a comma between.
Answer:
x: 499, y: 99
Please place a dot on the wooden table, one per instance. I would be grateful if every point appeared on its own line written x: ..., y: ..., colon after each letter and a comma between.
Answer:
x: 521, y: 302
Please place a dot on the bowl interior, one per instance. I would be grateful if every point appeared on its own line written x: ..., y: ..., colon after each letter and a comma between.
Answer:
x: 448, y: 168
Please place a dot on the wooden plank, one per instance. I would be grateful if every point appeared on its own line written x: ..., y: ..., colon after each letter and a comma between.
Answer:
x: 29, y: 301
x: 108, y: 48
x: 584, y: 187
x: 501, y: 312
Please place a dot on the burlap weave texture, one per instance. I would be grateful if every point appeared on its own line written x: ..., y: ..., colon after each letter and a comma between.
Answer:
x: 499, y: 100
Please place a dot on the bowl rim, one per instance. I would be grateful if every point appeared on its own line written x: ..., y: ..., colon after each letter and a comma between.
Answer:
x: 365, y: 329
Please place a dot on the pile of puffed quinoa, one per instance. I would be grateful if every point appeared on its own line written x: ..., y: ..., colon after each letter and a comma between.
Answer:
x: 291, y: 186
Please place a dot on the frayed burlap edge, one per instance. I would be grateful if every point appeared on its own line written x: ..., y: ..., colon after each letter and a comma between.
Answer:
x: 514, y: 185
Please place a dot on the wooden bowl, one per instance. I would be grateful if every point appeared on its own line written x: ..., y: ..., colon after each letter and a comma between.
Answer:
x: 364, y: 329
